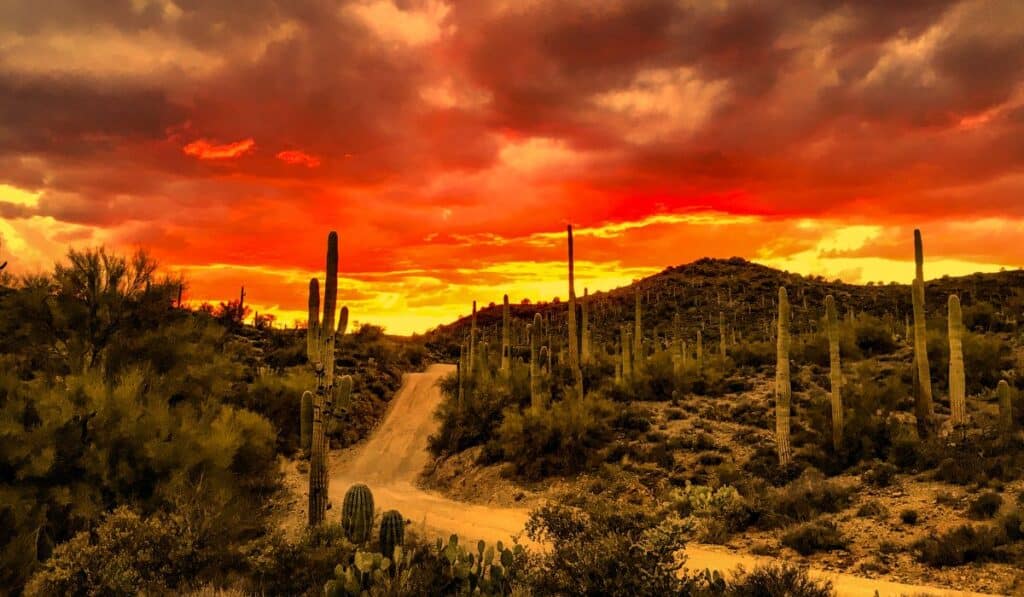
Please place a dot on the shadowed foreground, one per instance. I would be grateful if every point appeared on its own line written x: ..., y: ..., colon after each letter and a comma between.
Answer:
x: 390, y: 461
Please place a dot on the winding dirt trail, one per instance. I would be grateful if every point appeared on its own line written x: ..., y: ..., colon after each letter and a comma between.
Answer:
x: 390, y: 461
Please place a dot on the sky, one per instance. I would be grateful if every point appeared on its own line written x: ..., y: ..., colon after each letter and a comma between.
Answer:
x: 450, y: 142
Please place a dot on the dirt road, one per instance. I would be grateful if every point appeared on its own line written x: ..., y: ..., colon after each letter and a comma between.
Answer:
x: 392, y: 458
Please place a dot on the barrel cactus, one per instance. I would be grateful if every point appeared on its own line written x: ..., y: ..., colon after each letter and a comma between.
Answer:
x: 392, y: 532
x: 357, y: 513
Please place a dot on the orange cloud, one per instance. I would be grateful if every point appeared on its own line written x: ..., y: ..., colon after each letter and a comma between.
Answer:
x: 298, y: 158
x: 206, y: 150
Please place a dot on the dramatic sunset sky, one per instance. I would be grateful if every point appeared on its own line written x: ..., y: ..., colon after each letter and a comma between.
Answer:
x: 450, y: 142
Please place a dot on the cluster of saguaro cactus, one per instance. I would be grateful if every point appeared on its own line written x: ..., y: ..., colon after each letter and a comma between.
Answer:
x: 782, y: 384
x: 392, y: 532
x: 357, y: 513
x: 835, y: 371
x: 923, y: 399
x: 320, y: 335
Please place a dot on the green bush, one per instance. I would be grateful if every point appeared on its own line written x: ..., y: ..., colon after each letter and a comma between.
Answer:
x: 568, y: 437
x: 606, y: 548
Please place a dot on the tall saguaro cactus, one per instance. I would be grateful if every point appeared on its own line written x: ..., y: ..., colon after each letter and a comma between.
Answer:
x: 835, y: 371
x: 721, y: 335
x: 627, y: 358
x: 783, y: 390
x: 585, y: 332
x: 536, y: 398
x: 638, y: 330
x: 700, y: 351
x: 472, y: 341
x: 957, y: 383
x: 506, y: 339
x: 923, y: 399
x: 320, y: 334
x: 574, y: 355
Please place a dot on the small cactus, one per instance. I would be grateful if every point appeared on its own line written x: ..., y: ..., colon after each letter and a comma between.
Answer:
x: 392, y: 532
x: 357, y: 513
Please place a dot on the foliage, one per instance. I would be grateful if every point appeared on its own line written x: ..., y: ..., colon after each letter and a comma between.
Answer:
x: 607, y: 548
x: 815, y: 536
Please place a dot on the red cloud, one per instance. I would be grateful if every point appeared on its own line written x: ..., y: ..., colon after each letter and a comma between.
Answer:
x: 298, y: 158
x: 205, y: 150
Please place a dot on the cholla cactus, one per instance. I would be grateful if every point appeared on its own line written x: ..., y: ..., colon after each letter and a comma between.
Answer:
x: 835, y: 371
x: 782, y: 384
x: 957, y: 383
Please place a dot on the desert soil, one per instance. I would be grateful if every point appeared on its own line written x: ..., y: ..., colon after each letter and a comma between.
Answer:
x: 392, y: 459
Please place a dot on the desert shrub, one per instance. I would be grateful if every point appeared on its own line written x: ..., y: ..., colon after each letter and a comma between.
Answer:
x: 606, y: 548
x: 124, y: 555
x: 276, y: 397
x: 804, y: 499
x: 753, y: 354
x: 985, y: 506
x: 714, y: 513
x: 787, y: 580
x: 565, y: 438
x: 812, y: 537
x: 880, y: 474
x: 959, y: 546
x: 873, y: 337
x: 473, y: 421
x: 872, y: 509
x: 909, y: 516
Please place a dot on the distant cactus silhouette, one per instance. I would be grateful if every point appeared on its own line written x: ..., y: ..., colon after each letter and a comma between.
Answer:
x: 392, y: 532
x: 357, y: 513
x: 782, y: 384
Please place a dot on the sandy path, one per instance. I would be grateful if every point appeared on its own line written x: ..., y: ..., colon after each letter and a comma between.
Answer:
x: 393, y: 457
